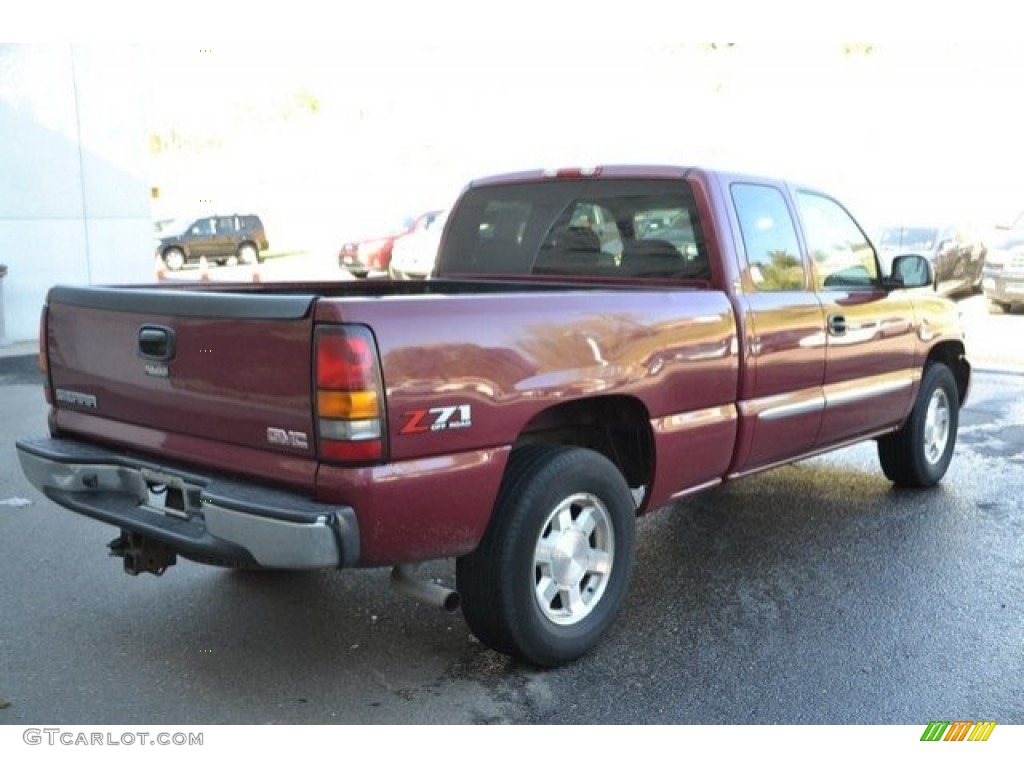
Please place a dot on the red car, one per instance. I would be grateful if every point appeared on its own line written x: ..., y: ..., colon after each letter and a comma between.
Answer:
x: 360, y: 257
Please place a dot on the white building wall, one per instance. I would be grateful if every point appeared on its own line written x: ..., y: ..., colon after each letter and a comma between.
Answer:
x: 74, y: 188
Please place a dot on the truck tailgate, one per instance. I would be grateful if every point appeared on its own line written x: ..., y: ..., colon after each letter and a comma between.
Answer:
x: 212, y: 377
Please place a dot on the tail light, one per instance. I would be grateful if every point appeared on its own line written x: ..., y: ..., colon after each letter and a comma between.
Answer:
x: 44, y: 360
x: 348, y: 395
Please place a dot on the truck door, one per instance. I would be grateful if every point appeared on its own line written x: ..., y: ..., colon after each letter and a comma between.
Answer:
x: 224, y: 245
x: 782, y: 333
x: 200, y: 238
x: 870, y: 371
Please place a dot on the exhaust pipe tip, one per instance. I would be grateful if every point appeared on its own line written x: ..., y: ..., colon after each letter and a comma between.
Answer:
x: 404, y: 581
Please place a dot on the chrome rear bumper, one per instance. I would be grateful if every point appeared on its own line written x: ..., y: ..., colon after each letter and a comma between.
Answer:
x: 205, y: 518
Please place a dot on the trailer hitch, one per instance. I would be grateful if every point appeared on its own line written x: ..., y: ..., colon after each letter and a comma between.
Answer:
x: 142, y: 555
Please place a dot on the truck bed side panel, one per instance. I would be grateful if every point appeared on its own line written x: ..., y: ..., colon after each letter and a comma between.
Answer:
x: 467, y: 375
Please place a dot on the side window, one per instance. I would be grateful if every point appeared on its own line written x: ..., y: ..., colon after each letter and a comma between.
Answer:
x: 202, y: 228
x: 769, y: 238
x: 843, y: 255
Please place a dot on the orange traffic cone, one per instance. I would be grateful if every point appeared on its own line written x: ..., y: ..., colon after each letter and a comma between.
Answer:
x: 204, y: 269
x: 256, y: 275
x: 161, y: 268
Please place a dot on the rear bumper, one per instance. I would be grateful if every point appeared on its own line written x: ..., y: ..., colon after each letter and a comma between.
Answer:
x: 200, y: 517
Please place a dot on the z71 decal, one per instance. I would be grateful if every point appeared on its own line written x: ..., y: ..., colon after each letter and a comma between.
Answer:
x: 436, y: 419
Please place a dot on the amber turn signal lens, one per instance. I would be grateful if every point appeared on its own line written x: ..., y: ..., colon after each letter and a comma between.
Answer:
x: 347, y: 405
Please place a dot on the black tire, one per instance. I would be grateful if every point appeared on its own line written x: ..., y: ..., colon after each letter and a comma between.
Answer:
x: 174, y: 259
x: 564, y: 526
x: 247, y: 254
x: 918, y: 455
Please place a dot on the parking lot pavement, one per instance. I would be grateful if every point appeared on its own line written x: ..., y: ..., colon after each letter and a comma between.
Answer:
x: 994, y: 341
x: 813, y: 594
x: 19, y: 349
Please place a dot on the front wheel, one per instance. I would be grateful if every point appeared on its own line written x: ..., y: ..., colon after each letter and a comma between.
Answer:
x: 174, y: 258
x: 918, y: 455
x: 553, y: 568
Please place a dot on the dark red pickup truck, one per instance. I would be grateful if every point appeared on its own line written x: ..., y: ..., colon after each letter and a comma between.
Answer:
x: 595, y: 343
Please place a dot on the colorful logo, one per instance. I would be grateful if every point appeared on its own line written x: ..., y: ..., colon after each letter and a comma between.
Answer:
x: 958, y: 730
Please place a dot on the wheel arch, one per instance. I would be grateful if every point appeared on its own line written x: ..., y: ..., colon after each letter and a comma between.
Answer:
x: 952, y: 355
x: 616, y: 426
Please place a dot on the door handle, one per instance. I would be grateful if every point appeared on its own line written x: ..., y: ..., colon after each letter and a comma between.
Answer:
x: 837, y: 325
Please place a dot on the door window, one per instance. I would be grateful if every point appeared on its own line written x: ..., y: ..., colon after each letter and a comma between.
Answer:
x: 769, y: 238
x: 843, y: 256
x: 202, y: 228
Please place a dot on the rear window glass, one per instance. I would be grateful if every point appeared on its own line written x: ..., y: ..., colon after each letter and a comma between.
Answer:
x: 578, y: 228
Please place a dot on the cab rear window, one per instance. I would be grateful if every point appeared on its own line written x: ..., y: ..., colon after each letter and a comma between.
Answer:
x: 578, y: 228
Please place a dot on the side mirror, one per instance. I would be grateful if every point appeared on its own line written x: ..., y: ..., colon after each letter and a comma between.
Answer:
x: 911, y: 270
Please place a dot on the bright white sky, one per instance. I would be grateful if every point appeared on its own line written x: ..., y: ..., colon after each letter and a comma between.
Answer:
x: 416, y: 98
x: 901, y: 132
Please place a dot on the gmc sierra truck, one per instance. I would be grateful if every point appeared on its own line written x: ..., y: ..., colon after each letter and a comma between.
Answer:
x: 593, y: 344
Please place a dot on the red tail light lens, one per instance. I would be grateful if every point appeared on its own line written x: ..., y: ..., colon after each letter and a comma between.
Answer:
x: 345, y: 360
x: 348, y: 396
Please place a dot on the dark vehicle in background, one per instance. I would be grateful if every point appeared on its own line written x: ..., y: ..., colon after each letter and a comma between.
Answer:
x: 1003, y: 277
x: 957, y: 254
x: 373, y: 254
x: 218, y: 238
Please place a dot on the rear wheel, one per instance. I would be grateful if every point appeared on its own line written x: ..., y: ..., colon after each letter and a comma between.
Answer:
x: 918, y: 455
x: 552, y: 571
x: 247, y: 254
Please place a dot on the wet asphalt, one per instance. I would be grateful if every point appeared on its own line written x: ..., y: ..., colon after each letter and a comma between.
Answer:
x: 815, y: 593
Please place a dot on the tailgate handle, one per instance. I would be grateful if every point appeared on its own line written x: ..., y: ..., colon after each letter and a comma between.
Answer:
x: 156, y: 342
